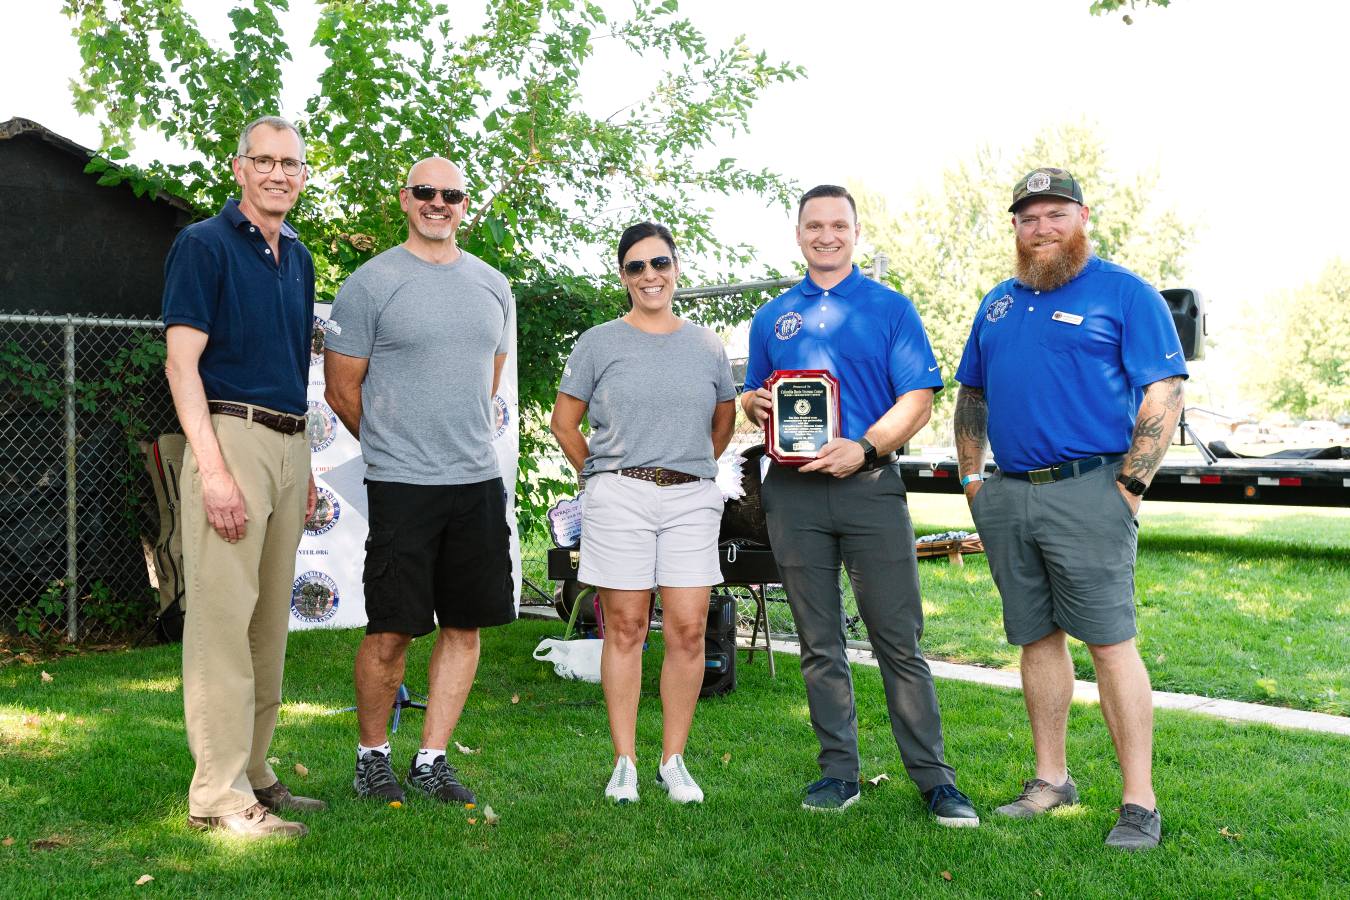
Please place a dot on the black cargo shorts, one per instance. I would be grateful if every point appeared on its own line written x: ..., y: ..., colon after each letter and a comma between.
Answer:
x: 437, y: 549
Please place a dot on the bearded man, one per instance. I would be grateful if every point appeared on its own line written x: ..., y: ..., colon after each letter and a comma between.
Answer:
x: 1073, y: 373
x: 413, y: 356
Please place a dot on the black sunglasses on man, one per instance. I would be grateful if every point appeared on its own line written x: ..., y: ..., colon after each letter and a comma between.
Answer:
x: 425, y: 192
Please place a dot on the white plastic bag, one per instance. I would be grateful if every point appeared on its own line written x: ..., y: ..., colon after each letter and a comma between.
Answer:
x: 577, y: 660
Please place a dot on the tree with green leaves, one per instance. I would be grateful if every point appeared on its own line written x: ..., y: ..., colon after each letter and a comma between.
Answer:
x: 1099, y: 7
x: 949, y: 247
x: 551, y: 185
x: 1293, y: 349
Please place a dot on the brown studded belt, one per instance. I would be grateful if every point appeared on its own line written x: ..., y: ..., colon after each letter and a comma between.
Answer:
x: 662, y: 477
x: 275, y: 421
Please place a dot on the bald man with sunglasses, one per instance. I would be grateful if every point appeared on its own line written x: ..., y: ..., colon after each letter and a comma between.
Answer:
x: 412, y: 358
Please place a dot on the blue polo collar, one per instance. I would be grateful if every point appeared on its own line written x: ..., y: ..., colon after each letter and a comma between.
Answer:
x: 843, y: 288
x: 1094, y: 261
x: 236, y: 217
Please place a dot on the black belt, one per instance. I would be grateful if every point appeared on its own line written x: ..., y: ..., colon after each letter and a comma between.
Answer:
x: 1066, y: 470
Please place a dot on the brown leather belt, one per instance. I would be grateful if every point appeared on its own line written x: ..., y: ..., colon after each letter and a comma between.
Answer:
x: 662, y: 477
x: 275, y: 421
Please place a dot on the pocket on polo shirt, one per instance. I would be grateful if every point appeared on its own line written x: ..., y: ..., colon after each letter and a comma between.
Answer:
x: 1063, y: 336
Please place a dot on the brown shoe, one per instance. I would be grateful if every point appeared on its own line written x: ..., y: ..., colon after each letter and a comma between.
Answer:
x: 278, y: 798
x: 254, y: 822
x: 1038, y: 797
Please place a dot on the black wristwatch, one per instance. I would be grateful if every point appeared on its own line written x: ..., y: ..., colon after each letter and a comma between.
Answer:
x: 869, y: 453
x: 1132, y: 484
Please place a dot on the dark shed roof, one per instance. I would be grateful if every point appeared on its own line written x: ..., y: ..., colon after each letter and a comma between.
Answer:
x: 69, y: 245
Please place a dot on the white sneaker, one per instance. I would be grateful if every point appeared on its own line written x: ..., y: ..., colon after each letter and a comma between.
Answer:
x: 675, y: 778
x: 623, y: 783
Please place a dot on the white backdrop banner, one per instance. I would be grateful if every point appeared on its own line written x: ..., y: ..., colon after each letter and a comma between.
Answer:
x: 327, y: 591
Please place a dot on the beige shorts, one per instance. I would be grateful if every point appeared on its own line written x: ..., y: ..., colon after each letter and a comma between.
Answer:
x: 636, y: 534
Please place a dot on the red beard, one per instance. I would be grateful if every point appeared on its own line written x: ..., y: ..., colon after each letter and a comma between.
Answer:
x: 1048, y: 273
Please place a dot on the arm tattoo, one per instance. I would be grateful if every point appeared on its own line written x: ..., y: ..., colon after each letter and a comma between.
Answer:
x: 1154, y: 426
x: 970, y: 425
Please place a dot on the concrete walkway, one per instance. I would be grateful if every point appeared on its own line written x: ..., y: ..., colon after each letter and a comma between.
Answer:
x: 1087, y: 690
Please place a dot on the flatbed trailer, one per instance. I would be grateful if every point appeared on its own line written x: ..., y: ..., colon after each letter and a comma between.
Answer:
x: 1183, y: 479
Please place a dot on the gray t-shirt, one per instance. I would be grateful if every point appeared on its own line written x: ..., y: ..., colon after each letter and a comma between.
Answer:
x: 651, y: 396
x: 430, y: 332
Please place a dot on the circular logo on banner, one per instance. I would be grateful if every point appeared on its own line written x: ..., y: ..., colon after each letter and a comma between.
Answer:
x: 801, y: 407
x: 999, y: 308
x: 503, y: 416
x: 326, y: 514
x: 314, y: 597
x: 316, y: 340
x: 1038, y: 182
x: 320, y: 426
x: 787, y: 326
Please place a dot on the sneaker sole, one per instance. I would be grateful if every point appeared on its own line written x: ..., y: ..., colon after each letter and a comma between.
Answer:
x: 620, y: 801
x: 957, y: 823
x: 833, y: 809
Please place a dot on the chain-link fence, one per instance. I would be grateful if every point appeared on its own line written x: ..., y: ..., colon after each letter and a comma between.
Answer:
x: 80, y: 398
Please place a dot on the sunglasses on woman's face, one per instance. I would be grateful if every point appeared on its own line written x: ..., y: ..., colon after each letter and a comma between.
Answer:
x: 635, y: 267
x: 425, y: 192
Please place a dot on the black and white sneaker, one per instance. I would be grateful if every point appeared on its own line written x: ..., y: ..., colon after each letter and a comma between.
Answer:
x: 375, y: 778
x: 439, y: 781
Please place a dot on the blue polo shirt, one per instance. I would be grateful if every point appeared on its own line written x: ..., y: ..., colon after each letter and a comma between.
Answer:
x: 861, y: 332
x: 1063, y: 371
x: 220, y: 278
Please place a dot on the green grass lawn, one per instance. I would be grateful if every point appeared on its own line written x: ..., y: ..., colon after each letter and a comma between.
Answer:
x: 112, y: 791
x: 1247, y: 603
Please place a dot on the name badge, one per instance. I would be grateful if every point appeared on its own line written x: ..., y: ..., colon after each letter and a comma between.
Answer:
x: 1067, y: 317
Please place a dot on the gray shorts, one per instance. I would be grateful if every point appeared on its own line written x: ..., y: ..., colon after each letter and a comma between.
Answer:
x: 636, y: 534
x: 1062, y: 555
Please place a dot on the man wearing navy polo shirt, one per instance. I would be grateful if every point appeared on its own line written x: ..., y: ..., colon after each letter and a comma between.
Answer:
x: 1074, y: 373
x: 239, y: 306
x: 849, y: 504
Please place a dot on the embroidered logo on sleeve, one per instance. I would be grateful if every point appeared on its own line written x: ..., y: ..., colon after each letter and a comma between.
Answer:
x: 787, y: 326
x: 334, y: 327
x: 999, y: 308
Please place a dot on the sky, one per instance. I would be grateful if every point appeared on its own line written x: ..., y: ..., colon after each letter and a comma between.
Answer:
x: 1240, y: 104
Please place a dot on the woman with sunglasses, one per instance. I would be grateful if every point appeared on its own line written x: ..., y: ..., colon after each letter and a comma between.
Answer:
x: 661, y: 401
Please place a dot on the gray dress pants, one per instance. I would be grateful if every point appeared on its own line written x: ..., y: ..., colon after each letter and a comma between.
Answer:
x: 815, y: 522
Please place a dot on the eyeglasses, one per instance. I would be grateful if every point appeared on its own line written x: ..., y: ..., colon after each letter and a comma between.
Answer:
x: 265, y: 164
x: 425, y: 192
x: 635, y: 267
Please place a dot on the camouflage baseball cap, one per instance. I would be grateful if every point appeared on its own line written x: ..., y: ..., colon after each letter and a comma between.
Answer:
x: 1045, y: 182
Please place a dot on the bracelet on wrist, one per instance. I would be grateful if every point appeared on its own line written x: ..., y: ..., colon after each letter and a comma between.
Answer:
x: 974, y: 476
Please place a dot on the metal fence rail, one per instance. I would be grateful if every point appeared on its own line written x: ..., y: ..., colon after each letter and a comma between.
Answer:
x: 79, y: 399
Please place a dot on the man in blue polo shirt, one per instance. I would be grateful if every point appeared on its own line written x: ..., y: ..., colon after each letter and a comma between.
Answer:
x: 849, y: 504
x: 1073, y: 372
x: 239, y: 306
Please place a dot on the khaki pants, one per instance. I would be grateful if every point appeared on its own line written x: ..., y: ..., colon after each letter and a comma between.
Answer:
x: 238, y: 612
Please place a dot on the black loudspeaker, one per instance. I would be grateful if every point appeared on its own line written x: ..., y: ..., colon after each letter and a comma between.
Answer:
x: 1188, y: 315
x: 719, y: 647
